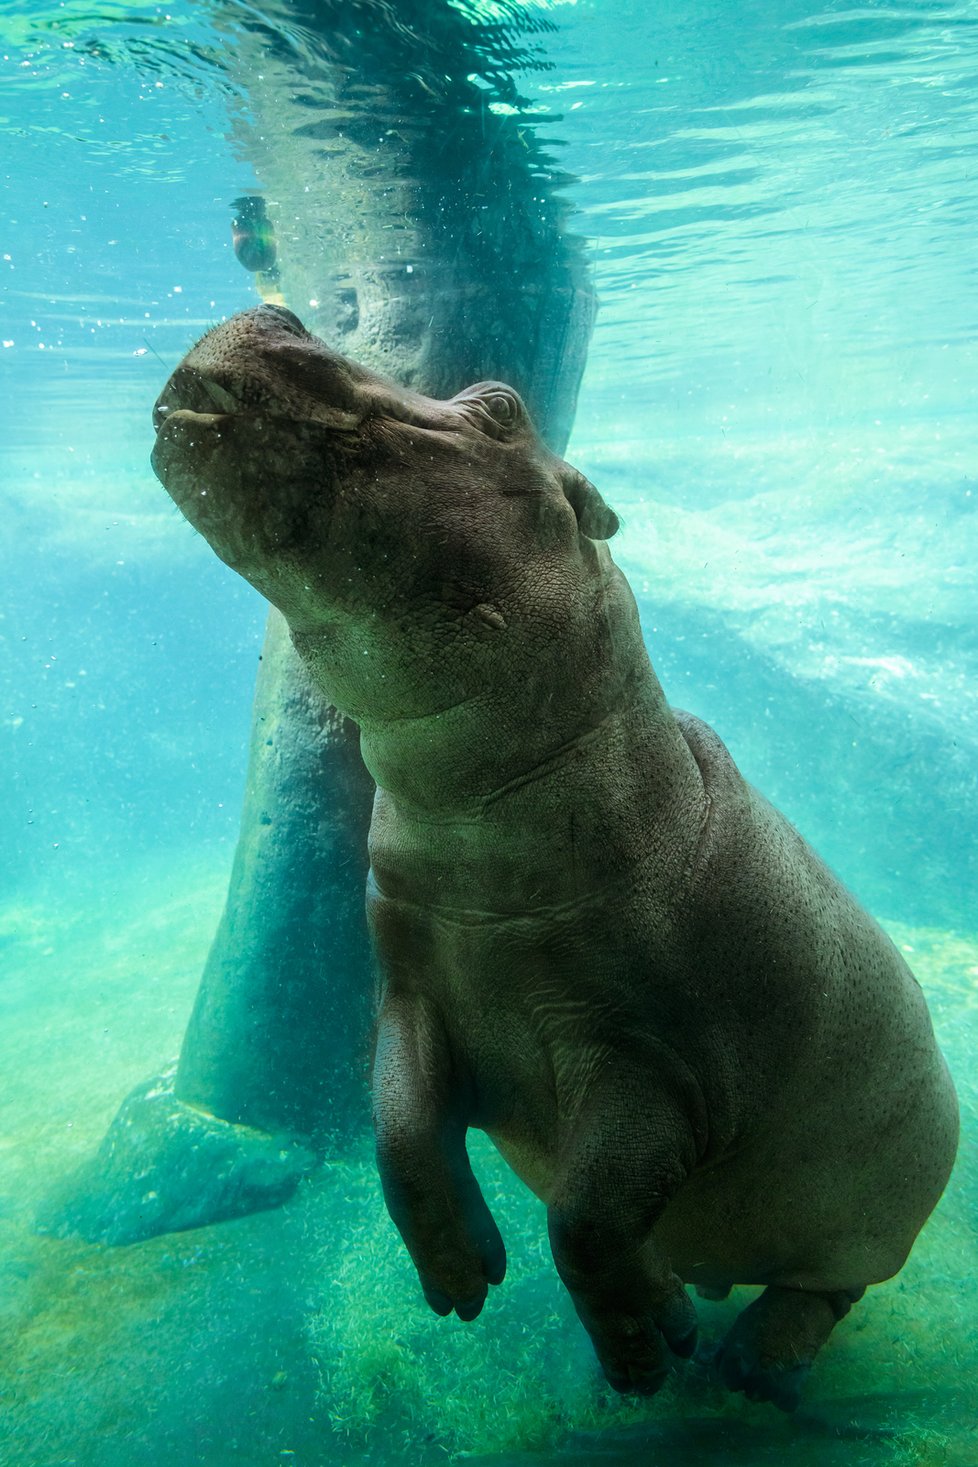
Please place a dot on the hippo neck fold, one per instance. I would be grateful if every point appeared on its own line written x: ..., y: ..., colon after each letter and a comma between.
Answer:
x: 528, y: 729
x: 462, y: 759
x: 502, y: 854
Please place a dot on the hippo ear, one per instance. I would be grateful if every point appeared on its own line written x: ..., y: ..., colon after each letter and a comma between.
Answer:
x: 594, y: 518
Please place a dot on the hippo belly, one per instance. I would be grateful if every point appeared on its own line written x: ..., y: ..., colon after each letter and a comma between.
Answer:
x: 819, y: 1169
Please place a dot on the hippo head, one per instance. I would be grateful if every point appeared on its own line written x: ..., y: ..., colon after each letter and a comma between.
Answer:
x: 421, y: 551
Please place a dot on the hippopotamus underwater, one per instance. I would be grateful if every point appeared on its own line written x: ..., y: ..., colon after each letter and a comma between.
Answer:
x: 595, y: 941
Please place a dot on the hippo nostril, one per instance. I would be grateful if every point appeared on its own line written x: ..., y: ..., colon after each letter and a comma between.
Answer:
x: 287, y: 317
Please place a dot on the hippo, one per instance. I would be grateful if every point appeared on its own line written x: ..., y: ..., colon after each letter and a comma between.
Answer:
x: 595, y: 941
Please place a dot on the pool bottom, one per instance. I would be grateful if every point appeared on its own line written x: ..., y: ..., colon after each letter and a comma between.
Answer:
x: 299, y: 1335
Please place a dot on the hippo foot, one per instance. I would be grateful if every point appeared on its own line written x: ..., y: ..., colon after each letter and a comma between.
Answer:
x: 165, y: 1166
x: 741, y: 1370
x: 633, y: 1353
x: 770, y: 1349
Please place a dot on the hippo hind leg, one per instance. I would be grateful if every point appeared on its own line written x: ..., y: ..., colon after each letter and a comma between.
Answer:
x: 773, y: 1342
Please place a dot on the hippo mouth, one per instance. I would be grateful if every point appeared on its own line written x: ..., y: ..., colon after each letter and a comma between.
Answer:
x: 238, y: 470
x: 191, y: 394
x: 263, y: 367
x: 193, y: 397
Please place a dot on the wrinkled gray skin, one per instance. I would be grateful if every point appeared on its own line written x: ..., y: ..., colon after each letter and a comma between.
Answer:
x: 596, y: 942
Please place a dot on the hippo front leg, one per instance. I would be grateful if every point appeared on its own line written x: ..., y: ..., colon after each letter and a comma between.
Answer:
x: 429, y: 1187
x: 629, y: 1159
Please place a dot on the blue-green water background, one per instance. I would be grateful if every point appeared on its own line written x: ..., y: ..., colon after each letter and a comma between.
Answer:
x: 780, y: 201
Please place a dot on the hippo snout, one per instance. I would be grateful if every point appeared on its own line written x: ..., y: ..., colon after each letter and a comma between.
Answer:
x: 284, y: 317
x: 191, y: 391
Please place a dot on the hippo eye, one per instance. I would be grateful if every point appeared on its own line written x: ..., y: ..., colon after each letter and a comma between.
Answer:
x: 493, y: 407
x: 503, y: 408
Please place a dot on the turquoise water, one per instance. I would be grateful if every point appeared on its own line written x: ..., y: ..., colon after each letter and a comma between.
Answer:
x: 778, y: 203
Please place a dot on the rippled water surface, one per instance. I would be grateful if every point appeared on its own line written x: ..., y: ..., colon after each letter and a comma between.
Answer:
x: 778, y: 204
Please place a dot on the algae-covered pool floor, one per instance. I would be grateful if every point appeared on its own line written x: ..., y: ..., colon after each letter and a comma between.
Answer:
x: 299, y: 1336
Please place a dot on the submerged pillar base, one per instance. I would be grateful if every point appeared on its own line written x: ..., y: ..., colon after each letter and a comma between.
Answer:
x: 165, y: 1166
